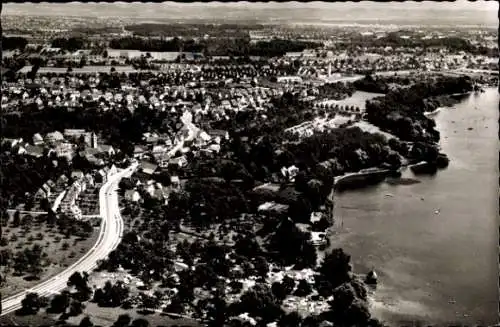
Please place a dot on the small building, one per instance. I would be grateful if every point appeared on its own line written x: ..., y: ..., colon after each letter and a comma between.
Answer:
x: 37, y: 139
x: 107, y: 149
x: 132, y: 195
x: 179, y: 161
x: 40, y: 194
x: 77, y: 175
x: 54, y: 137
x: 223, y: 135
x: 51, y: 184
x: 273, y: 208
x: 175, y: 181
x: 73, y: 133
x: 148, y: 167
x: 139, y: 151
x: 34, y: 151
x: 89, y: 179
x: 62, y: 182
x: 64, y: 150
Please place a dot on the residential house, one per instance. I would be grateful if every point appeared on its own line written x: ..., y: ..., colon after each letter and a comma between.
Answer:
x: 147, y: 168
x: 73, y: 133
x: 150, y: 137
x: 218, y: 135
x: 107, y: 149
x: 289, y: 172
x: 40, y: 194
x: 139, y: 151
x: 162, y: 159
x: 12, y: 142
x: 65, y: 150
x: 46, y: 189
x: 214, y: 147
x: 132, y: 195
x: 77, y: 175
x: 18, y: 149
x: 175, y: 182
x: 62, y: 182
x: 95, y: 161
x: 89, y: 152
x: 89, y: 179
x: 37, y: 139
x: 179, y: 161
x: 54, y: 137
x: 68, y: 204
x: 34, y: 151
x: 158, y: 149
x: 273, y: 208
x: 51, y: 184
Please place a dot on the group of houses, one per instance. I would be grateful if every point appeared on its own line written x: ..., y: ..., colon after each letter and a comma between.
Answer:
x: 64, y: 145
x: 81, y: 182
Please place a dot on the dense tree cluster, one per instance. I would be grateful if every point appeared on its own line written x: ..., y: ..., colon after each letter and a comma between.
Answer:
x: 217, y: 47
x: 291, y: 246
x: 212, y: 202
x: 371, y: 84
x: 21, y: 174
x: 395, y: 40
x: 32, y: 303
x: 29, y: 261
x: 111, y: 295
x: 401, y: 111
x: 128, y: 254
x: 80, y: 283
x: 70, y: 44
x: 193, y: 30
x: 14, y: 42
x: 142, y: 44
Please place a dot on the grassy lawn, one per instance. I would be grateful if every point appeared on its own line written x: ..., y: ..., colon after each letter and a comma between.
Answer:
x: 61, y: 252
x: 107, y: 316
x: 41, y: 319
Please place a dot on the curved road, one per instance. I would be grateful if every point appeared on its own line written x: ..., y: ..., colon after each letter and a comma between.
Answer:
x: 109, y: 237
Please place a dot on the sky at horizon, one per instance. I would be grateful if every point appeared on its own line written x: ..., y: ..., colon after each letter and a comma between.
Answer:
x: 462, y: 11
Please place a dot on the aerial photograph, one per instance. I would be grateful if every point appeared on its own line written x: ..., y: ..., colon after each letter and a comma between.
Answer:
x: 249, y: 164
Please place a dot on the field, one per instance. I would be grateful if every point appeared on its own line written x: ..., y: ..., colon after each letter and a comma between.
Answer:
x: 99, y: 316
x: 58, y: 250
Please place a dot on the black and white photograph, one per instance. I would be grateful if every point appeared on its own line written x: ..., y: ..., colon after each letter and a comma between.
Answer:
x: 267, y: 164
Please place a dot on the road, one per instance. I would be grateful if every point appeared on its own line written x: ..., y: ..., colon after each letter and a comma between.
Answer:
x: 109, y: 237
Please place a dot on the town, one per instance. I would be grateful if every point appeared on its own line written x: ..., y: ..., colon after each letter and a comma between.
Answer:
x: 177, y: 174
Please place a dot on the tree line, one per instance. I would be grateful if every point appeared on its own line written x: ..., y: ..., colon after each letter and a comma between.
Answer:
x: 219, y: 47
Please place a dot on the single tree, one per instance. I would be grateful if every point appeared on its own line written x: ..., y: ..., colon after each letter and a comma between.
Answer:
x: 86, y: 322
x: 140, y: 322
x: 122, y: 321
x: 31, y: 303
x: 17, y: 219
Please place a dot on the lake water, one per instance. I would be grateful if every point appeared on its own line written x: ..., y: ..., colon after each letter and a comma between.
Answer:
x: 434, y: 244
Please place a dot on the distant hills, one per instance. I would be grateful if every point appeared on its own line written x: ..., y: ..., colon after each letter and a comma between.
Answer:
x: 459, y: 13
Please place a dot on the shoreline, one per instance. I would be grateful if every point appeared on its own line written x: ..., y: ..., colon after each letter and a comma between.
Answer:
x: 389, y: 300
